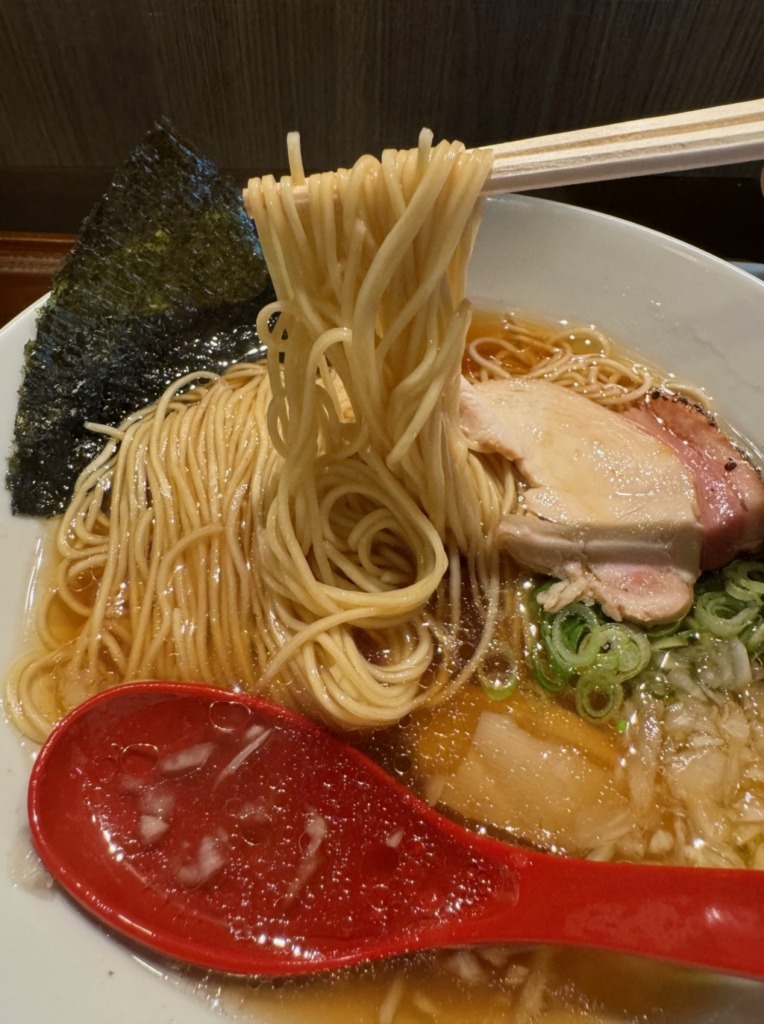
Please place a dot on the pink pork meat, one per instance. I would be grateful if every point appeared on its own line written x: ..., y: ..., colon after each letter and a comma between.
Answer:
x: 730, y: 491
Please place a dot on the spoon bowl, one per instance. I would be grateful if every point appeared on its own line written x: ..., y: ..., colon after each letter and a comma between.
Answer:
x: 230, y: 833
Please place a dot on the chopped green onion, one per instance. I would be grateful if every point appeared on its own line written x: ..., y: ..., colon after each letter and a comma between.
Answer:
x: 710, y: 649
x: 664, y: 629
x: 744, y: 580
x: 629, y: 648
x: 598, y: 697
x: 753, y: 638
x: 723, y: 616
x: 574, y: 639
x: 544, y: 674
x: 667, y: 643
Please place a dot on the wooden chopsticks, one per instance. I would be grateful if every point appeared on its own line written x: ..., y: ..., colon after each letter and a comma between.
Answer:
x: 677, y: 142
x: 710, y: 137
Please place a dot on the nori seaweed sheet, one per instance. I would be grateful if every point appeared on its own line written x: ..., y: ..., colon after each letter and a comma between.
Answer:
x: 167, y: 277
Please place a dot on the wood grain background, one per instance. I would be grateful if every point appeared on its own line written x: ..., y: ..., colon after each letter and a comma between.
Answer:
x: 82, y: 80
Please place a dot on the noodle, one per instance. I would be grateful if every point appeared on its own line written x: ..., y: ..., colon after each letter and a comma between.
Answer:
x: 578, y: 358
x: 152, y: 579
x: 389, y: 318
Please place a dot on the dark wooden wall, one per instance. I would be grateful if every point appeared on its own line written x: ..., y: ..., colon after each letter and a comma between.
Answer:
x: 81, y: 80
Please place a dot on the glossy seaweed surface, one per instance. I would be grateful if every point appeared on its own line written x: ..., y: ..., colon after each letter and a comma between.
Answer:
x: 167, y: 277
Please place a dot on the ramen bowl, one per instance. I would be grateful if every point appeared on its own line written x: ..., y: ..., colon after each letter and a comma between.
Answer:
x: 666, y: 302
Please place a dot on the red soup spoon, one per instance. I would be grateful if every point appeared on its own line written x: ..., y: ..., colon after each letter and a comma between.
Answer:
x: 224, y: 831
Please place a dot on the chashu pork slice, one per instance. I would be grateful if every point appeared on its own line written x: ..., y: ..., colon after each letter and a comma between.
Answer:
x: 730, y: 491
x: 608, y: 509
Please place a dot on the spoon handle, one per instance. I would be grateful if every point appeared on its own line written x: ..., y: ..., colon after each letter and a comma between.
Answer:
x: 705, y: 917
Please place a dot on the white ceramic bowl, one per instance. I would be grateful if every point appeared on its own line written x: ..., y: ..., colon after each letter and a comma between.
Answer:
x: 681, y: 308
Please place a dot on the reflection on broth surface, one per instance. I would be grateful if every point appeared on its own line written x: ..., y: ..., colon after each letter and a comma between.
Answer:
x: 501, y: 986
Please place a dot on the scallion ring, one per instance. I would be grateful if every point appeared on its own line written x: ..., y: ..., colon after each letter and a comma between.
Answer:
x: 744, y: 580
x: 546, y: 677
x: 672, y: 640
x: 574, y: 639
x: 723, y: 616
x: 598, y: 697
x: 627, y: 649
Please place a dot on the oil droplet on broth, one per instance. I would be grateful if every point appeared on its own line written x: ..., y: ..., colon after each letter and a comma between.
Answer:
x: 250, y: 821
x: 139, y: 759
x: 228, y: 716
x: 402, y: 764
